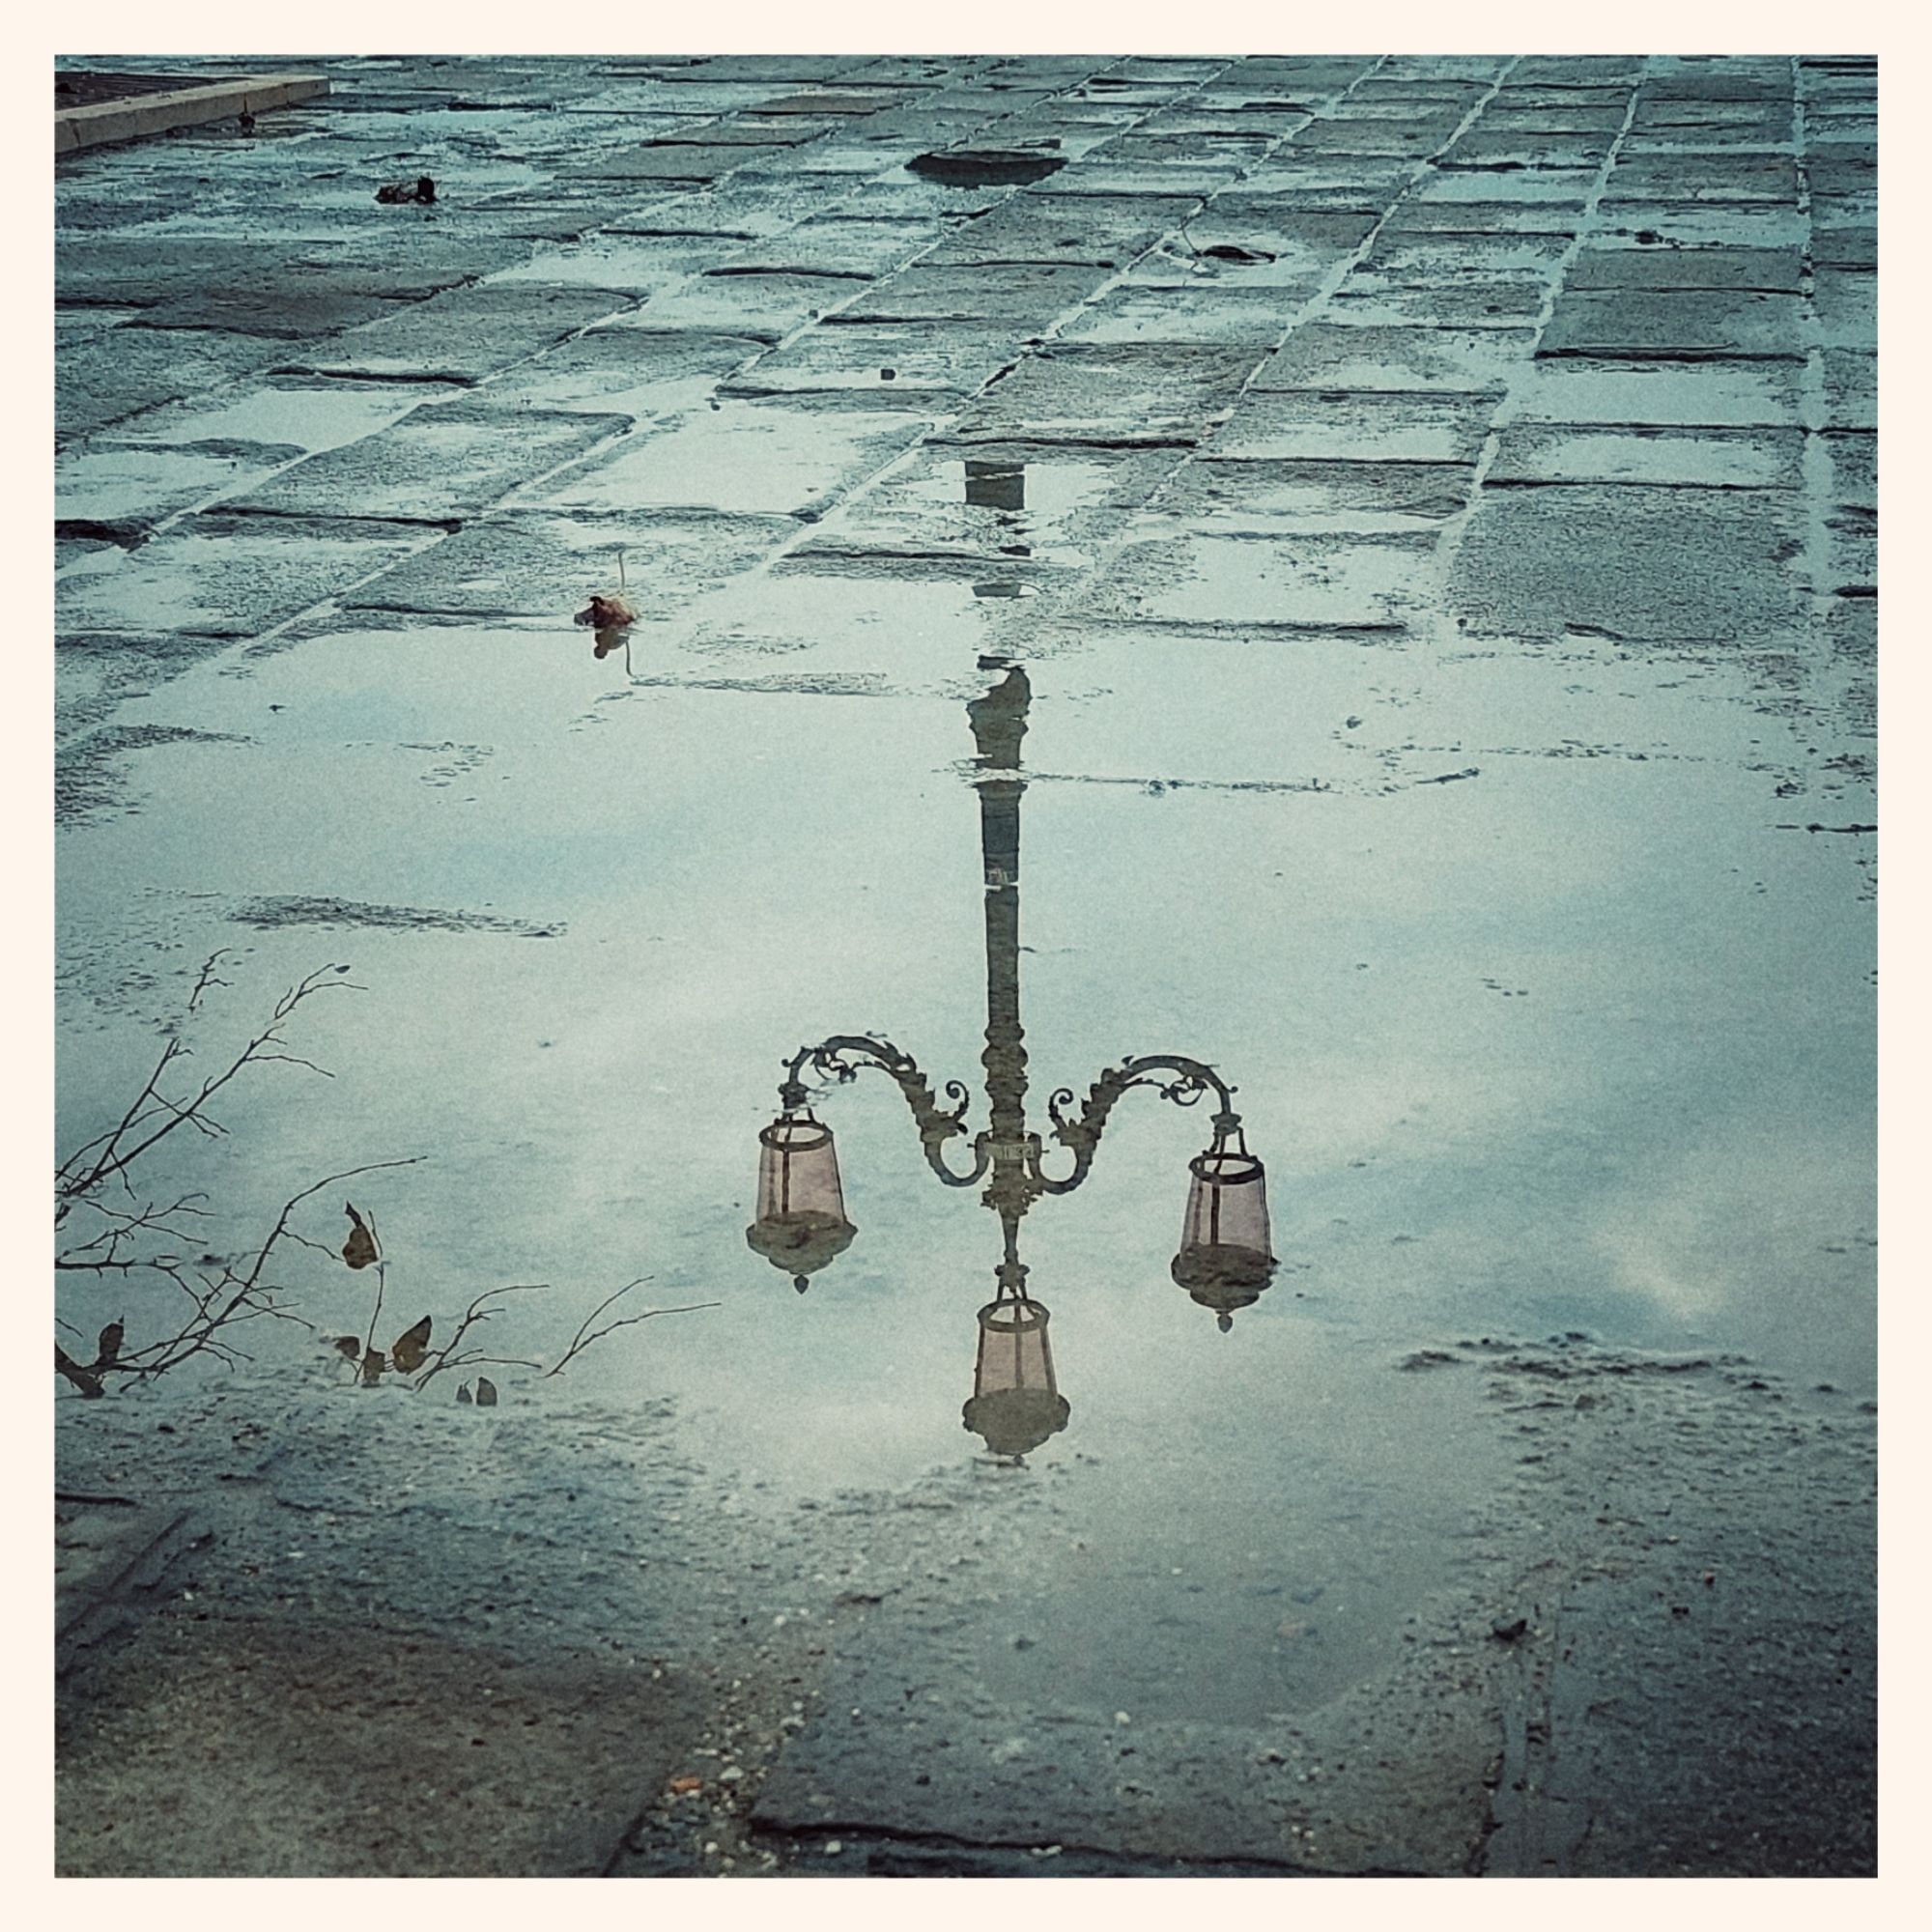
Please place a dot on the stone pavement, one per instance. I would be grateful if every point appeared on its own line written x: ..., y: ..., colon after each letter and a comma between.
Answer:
x: 1526, y: 347
x: 1527, y: 406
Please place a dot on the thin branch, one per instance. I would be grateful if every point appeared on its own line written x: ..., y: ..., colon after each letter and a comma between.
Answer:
x: 477, y: 1312
x: 586, y: 1335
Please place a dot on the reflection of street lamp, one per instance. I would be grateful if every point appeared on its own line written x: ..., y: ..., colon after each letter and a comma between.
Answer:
x: 801, y: 1221
x: 1016, y: 1403
x: 1225, y: 1260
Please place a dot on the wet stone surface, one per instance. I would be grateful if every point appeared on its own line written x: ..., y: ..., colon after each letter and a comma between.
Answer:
x: 1402, y: 536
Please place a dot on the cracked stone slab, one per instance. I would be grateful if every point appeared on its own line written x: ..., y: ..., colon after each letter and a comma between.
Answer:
x: 1326, y: 355
x: 529, y: 565
x: 744, y: 459
x: 230, y: 577
x: 1103, y: 393
x: 461, y: 337
x: 1670, y: 325
x: 446, y: 461
x: 1399, y: 427
x: 1756, y: 459
x: 1640, y: 564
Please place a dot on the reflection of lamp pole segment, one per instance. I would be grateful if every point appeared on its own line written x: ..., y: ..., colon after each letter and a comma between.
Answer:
x: 1224, y: 1261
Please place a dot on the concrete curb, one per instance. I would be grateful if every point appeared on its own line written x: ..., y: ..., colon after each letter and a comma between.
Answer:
x: 108, y: 121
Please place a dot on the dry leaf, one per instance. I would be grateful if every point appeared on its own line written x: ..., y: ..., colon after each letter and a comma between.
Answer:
x: 412, y: 1345
x: 463, y: 1392
x: 350, y: 1346
x: 605, y: 614
x: 373, y: 1365
x: 683, y: 1787
x: 486, y: 1392
x: 360, y: 1250
x: 110, y: 1345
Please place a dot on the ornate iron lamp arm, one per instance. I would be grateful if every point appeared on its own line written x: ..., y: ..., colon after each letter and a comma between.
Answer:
x: 842, y: 1056
x: 1173, y: 1076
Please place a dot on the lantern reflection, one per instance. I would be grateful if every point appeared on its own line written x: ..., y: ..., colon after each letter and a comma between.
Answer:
x: 1016, y: 1403
x: 800, y: 1223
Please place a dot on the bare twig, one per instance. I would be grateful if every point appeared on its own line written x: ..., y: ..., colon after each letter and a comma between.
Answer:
x: 477, y: 1312
x: 105, y: 1157
x: 586, y: 1335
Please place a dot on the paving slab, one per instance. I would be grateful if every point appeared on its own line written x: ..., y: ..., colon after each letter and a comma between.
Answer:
x: 1254, y: 578
x: 629, y: 371
x: 1377, y: 301
x: 995, y: 500
x: 1152, y: 313
x: 441, y: 463
x: 1673, y: 325
x: 1639, y: 564
x: 854, y: 358
x: 1851, y: 389
x: 131, y: 488
x: 744, y: 459
x: 1361, y: 498
x: 1105, y: 231
x: 1104, y: 392
x: 461, y: 337
x: 1580, y: 390
x: 1326, y: 355
x: 766, y: 307
x: 230, y: 577
x: 1392, y: 426
x: 1742, y: 176
x: 1027, y: 299
x: 1853, y: 455
x: 1753, y: 459
x: 1771, y: 270
x: 1462, y: 258
x: 114, y: 375
x: 524, y: 564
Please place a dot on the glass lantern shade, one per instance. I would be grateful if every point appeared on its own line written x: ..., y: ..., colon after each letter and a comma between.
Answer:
x: 1225, y: 1260
x: 1015, y: 1405
x: 801, y: 1221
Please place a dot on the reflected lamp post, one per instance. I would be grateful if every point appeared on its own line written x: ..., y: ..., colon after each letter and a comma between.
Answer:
x: 1223, y: 1261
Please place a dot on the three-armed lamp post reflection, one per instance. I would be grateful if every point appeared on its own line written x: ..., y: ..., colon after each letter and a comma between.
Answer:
x: 1224, y: 1260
